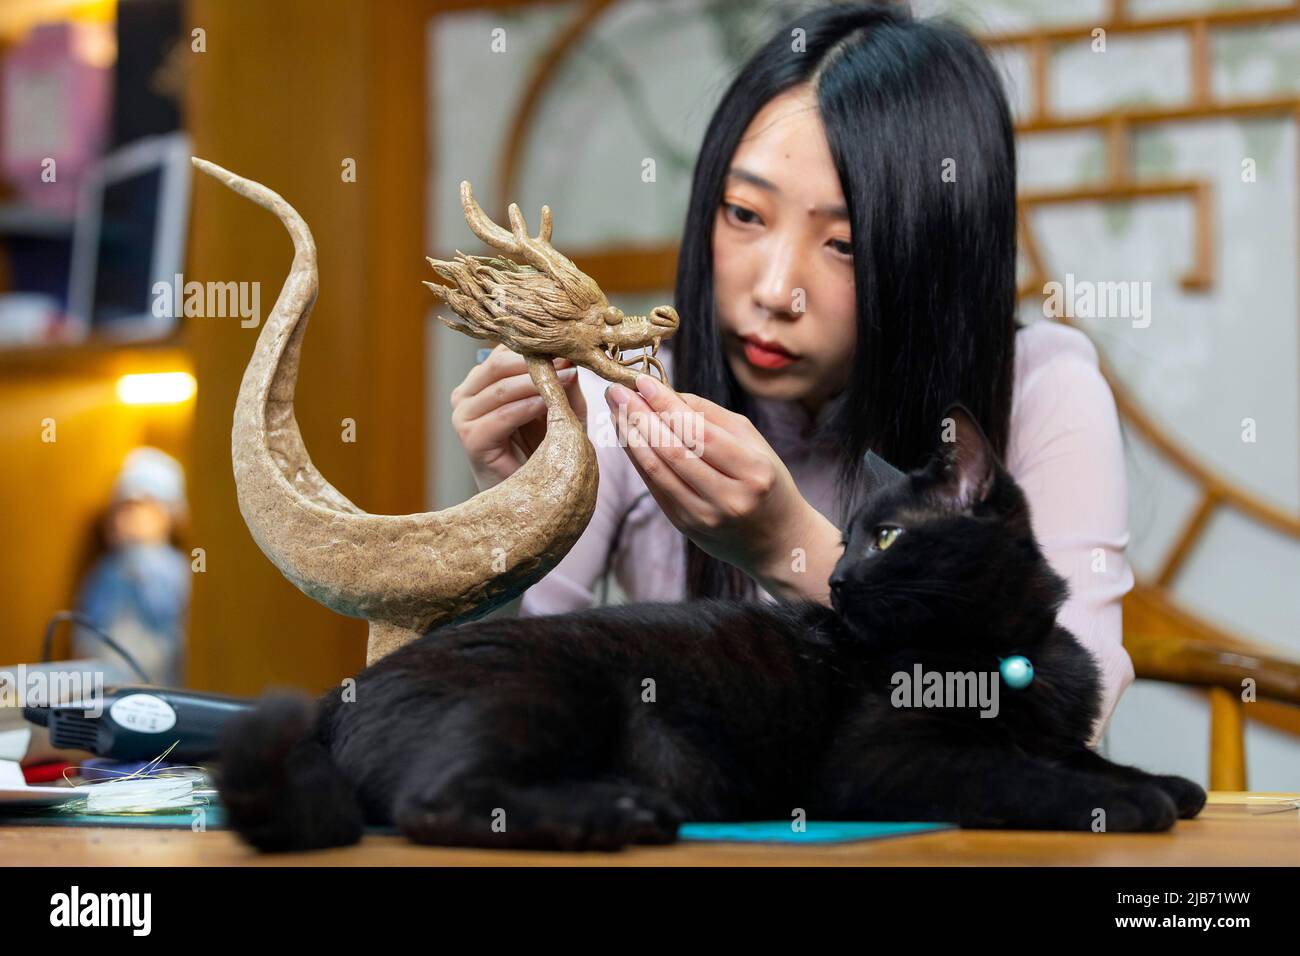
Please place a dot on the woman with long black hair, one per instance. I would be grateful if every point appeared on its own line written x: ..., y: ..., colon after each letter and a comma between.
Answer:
x: 847, y: 270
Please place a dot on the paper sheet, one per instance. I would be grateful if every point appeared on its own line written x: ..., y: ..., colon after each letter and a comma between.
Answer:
x: 14, y: 744
x: 11, y: 775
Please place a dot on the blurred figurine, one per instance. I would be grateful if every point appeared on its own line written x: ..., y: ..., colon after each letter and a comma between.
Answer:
x: 139, y: 591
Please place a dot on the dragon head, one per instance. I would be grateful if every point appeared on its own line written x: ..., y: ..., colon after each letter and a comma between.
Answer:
x: 547, y: 307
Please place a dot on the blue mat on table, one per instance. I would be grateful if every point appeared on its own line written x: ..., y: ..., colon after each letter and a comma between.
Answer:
x: 816, y: 831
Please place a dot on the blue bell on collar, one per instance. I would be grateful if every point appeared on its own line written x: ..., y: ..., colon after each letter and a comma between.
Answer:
x: 1017, y: 672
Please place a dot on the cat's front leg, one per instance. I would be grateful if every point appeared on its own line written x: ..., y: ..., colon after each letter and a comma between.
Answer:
x: 982, y: 788
x: 1188, y: 797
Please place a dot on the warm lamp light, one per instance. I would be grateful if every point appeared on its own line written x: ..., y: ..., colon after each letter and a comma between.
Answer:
x: 156, y: 388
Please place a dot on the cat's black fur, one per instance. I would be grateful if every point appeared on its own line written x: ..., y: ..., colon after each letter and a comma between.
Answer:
x: 611, y: 726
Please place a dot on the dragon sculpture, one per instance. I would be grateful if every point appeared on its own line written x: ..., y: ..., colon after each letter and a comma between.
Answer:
x: 406, y: 574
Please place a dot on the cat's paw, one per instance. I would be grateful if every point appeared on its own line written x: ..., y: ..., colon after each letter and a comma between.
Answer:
x: 566, y: 817
x: 602, y: 816
x: 1188, y: 797
x: 631, y: 815
x: 1139, y: 807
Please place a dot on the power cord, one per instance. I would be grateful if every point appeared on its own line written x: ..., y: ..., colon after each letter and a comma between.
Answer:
x: 613, y: 546
x: 76, y: 617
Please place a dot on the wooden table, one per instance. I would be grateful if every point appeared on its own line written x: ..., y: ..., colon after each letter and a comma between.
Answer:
x: 1226, y: 833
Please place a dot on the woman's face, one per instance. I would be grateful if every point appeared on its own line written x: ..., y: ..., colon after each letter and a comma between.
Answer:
x: 782, y: 260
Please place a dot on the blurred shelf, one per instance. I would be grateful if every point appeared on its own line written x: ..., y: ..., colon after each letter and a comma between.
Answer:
x: 95, y: 357
x: 20, y: 219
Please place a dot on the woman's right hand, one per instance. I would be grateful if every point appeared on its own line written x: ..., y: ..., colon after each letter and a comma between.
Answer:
x: 500, y: 417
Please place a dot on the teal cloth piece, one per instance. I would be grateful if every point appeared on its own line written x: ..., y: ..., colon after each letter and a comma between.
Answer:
x: 815, y: 831
x: 214, y: 818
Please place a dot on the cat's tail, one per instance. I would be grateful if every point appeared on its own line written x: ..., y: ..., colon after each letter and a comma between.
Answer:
x: 277, y: 782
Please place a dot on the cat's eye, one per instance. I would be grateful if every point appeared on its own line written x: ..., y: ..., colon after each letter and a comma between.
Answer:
x: 885, y: 536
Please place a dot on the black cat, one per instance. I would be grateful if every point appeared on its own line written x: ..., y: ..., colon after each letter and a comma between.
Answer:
x: 611, y: 726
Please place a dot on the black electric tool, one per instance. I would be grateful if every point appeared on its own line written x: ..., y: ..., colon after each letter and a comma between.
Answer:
x: 140, y: 723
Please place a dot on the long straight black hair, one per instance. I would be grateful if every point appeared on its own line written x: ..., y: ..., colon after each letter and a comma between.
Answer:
x: 921, y: 136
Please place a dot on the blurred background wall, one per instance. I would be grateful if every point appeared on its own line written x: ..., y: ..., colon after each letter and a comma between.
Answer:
x: 64, y: 431
x: 367, y: 116
x: 322, y: 101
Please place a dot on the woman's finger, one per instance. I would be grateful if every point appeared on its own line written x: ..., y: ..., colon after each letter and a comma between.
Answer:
x: 503, y: 391
x: 496, y: 427
x: 732, y: 422
x: 501, y: 363
x: 669, y: 490
x: 577, y: 400
x: 687, y: 461
x: 703, y: 438
x: 488, y: 370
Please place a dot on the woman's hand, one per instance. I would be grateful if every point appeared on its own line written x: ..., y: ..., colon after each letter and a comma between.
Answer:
x: 721, y: 484
x: 500, y: 417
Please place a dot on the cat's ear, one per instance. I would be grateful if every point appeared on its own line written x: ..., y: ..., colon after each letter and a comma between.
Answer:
x: 879, y: 471
x: 965, y: 465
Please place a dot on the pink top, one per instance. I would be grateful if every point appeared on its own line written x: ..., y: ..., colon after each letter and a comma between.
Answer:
x: 1064, y: 450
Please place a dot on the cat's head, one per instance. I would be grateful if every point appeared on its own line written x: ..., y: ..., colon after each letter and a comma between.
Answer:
x: 949, y: 547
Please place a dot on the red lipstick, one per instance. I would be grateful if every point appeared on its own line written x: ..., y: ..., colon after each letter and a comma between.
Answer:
x: 766, y: 355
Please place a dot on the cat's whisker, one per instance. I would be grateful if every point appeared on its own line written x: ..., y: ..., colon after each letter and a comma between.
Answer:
x: 924, y: 590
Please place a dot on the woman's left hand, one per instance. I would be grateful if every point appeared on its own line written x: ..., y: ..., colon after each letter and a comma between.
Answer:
x: 713, y: 474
